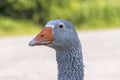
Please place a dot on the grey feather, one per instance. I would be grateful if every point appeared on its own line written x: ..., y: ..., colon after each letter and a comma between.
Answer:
x: 68, y: 51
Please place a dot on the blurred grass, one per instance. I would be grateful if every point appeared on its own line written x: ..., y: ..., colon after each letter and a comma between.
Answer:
x: 100, y: 24
x: 9, y: 26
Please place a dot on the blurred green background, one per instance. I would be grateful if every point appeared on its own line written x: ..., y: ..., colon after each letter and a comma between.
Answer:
x: 28, y: 16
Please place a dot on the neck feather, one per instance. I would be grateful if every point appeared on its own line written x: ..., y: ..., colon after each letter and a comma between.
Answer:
x: 70, y: 64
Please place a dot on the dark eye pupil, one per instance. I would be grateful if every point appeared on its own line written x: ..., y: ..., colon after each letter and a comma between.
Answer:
x: 61, y: 26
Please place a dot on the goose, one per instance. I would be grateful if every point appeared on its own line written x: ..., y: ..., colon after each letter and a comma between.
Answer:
x: 61, y: 35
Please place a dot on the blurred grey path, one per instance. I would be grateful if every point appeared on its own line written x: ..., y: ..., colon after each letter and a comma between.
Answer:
x: 101, y: 51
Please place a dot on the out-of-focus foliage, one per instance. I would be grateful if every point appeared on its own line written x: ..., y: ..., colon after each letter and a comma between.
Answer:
x: 37, y: 10
x: 85, y: 14
x: 78, y: 11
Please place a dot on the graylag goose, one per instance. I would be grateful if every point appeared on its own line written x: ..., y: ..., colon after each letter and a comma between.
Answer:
x: 61, y: 36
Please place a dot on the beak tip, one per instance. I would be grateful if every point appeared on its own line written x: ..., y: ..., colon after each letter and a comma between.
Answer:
x: 32, y: 43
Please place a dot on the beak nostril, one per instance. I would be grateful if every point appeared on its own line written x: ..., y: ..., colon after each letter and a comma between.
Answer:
x: 42, y: 35
x: 45, y: 37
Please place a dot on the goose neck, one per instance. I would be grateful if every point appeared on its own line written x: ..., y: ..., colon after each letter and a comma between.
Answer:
x: 70, y: 64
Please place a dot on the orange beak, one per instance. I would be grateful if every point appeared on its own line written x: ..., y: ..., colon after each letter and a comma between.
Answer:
x: 45, y: 37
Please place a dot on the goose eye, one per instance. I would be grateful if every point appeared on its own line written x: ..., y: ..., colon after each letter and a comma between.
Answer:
x: 60, y: 26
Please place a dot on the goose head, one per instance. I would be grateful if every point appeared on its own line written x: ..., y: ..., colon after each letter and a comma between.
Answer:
x: 58, y: 34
